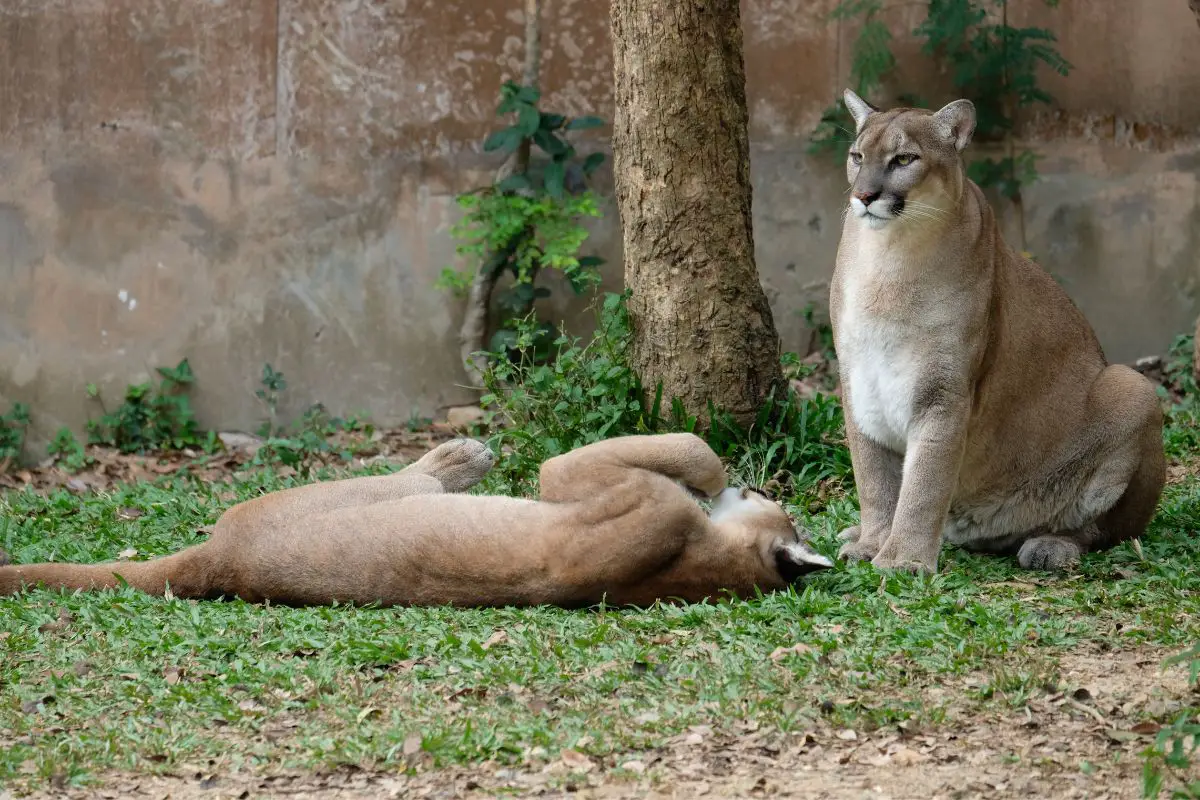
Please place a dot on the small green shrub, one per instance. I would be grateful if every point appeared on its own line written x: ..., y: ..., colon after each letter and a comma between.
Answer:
x: 1168, y: 764
x: 584, y: 393
x: 313, y: 439
x: 69, y: 453
x: 273, y: 384
x: 1181, y: 434
x: 13, y: 426
x: 152, y: 418
x: 530, y: 221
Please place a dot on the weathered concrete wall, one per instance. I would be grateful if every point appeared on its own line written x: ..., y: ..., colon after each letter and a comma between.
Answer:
x: 273, y: 180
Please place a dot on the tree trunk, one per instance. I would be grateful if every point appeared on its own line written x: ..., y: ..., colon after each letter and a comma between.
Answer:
x: 681, y: 158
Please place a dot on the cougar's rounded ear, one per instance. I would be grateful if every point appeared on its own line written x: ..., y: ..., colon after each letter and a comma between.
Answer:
x: 859, y: 109
x: 796, y: 559
x: 955, y: 122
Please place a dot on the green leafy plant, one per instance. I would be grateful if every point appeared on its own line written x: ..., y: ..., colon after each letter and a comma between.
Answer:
x: 530, y: 220
x: 542, y: 407
x: 151, y: 417
x: 13, y: 426
x: 584, y: 393
x: 871, y: 61
x: 273, y: 384
x: 69, y: 453
x: 990, y: 62
x: 1179, y: 393
x: 1168, y: 764
x: 312, y: 440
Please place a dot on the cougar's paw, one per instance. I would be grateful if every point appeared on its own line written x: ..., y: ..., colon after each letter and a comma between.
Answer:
x: 851, y: 534
x: 858, y: 550
x: 912, y: 566
x: 1049, y: 553
x: 458, y: 464
x: 894, y: 556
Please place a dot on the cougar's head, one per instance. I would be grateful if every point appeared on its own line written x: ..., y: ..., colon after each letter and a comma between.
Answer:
x: 904, y: 164
x: 762, y: 523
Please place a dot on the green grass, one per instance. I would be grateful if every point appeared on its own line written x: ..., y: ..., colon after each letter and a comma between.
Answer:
x: 121, y: 681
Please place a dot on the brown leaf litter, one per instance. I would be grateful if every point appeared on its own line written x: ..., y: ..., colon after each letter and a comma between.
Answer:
x: 1059, y: 745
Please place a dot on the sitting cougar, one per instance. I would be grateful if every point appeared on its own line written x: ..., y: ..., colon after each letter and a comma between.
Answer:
x: 980, y: 407
x: 613, y: 524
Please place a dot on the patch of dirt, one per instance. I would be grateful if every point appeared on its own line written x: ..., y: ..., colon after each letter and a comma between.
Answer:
x: 1082, y: 741
x: 109, y: 467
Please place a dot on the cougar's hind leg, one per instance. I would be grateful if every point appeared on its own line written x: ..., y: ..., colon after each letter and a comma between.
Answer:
x: 682, y: 457
x: 1120, y: 497
x: 458, y: 465
x: 1127, y: 486
x: 1055, y: 551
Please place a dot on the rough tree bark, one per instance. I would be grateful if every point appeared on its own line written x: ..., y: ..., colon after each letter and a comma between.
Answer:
x: 473, y: 333
x: 681, y: 158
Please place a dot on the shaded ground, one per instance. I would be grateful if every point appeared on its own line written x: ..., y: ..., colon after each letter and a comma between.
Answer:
x: 1052, y: 746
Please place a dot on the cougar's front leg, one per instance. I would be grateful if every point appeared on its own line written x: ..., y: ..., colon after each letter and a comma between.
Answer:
x: 683, y: 457
x: 877, y: 473
x: 934, y: 455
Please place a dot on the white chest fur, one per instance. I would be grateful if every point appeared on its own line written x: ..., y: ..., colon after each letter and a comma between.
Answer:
x: 887, y: 348
x: 882, y: 366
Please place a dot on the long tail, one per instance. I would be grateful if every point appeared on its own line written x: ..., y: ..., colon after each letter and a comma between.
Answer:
x: 186, y: 573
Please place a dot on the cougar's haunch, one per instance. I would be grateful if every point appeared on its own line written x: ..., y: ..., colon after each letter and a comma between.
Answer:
x: 615, y: 523
x: 979, y: 406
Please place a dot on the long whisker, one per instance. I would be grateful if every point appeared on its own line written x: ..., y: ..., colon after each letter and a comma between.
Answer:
x: 927, y: 208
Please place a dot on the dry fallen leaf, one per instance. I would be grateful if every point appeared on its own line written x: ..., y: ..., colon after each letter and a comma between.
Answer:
x: 127, y: 553
x: 576, y: 760
x: 412, y: 749
x: 64, y: 618
x: 799, y: 648
x: 846, y: 735
x: 634, y: 765
x: 906, y: 757
x: 129, y: 513
x: 171, y: 675
x: 499, y: 637
x: 252, y: 707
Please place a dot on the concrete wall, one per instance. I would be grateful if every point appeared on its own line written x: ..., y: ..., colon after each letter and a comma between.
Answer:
x: 273, y: 180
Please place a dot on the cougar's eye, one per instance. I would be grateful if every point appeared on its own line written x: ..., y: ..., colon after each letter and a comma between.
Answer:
x: 856, y: 158
x: 904, y: 159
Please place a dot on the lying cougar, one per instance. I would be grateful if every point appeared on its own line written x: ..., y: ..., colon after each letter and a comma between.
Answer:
x: 980, y: 407
x: 614, y: 523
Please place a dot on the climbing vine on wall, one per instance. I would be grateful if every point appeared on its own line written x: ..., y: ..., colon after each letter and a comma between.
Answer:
x: 992, y: 63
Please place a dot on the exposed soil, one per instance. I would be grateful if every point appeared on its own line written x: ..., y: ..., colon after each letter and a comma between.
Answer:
x: 1081, y: 742
x: 110, y: 467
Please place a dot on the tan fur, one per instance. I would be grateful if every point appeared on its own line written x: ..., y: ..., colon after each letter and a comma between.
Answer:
x: 614, y: 523
x: 980, y: 407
